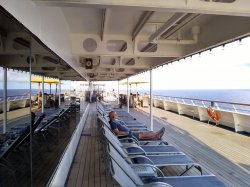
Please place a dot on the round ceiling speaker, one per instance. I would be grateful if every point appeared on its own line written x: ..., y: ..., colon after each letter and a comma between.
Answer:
x: 89, y: 45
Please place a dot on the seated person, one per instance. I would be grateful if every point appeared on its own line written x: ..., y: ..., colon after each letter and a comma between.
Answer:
x: 120, y: 129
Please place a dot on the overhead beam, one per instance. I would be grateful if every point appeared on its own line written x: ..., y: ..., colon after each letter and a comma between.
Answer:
x: 109, y: 72
x: 139, y: 25
x: 125, y: 66
x: 141, y: 22
x: 105, y: 15
x: 237, y: 8
x: 188, y: 19
x: 166, y: 26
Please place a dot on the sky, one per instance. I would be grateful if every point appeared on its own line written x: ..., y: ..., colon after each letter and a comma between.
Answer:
x: 225, y: 67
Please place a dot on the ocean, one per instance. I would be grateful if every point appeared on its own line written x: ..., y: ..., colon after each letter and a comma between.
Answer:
x: 237, y: 96
x: 234, y: 96
x: 20, y: 92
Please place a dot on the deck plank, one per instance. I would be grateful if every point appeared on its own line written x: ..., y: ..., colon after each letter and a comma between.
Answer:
x: 224, y: 153
x: 219, y: 151
x: 88, y: 163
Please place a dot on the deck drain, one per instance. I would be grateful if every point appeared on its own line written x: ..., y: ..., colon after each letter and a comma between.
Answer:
x: 85, y: 134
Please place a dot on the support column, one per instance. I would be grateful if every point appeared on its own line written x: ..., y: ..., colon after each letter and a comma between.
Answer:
x: 90, y: 92
x: 127, y: 97
x: 59, y: 96
x: 151, y: 101
x: 43, y: 94
x: 4, y: 99
x: 38, y: 96
x: 118, y: 90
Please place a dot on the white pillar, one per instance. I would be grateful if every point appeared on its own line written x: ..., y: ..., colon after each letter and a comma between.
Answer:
x: 127, y: 97
x: 42, y: 94
x: 151, y: 101
x: 118, y: 93
x: 4, y: 99
x: 59, y: 96
x: 90, y: 92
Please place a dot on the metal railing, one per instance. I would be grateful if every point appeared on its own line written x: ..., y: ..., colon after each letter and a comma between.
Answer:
x: 220, y: 105
x: 15, y: 97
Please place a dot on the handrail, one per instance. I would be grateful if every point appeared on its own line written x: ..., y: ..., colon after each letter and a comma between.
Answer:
x: 15, y: 97
x: 215, y: 101
x: 219, y: 105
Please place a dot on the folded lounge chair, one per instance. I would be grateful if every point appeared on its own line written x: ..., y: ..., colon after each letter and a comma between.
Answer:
x: 130, y: 127
x: 122, y: 115
x: 128, y: 175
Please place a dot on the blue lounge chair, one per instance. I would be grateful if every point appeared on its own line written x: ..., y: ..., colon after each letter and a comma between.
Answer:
x: 129, y: 175
x: 129, y: 138
x: 135, y: 148
x: 130, y: 127
x: 161, y: 160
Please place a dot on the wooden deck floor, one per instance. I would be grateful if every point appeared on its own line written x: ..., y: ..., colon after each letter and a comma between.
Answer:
x: 88, y: 168
x: 224, y: 153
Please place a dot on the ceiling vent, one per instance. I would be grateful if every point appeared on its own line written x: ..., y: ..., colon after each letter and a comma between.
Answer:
x: 88, y: 63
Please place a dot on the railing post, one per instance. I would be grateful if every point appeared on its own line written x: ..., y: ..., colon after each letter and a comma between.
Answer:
x: 217, y: 106
x: 192, y: 102
x: 212, y: 104
x: 235, y: 108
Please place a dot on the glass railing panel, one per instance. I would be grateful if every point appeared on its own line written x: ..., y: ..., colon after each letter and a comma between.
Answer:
x: 15, y: 117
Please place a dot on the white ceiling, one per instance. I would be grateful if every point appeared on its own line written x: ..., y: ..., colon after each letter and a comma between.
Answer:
x: 194, y: 26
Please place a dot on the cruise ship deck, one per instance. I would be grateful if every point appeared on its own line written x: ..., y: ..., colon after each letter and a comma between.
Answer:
x: 219, y: 151
x: 107, y: 40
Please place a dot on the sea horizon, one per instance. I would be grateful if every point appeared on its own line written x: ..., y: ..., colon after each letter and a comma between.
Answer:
x: 225, y: 95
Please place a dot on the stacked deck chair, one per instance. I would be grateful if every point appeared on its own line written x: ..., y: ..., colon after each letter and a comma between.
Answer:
x: 127, y: 123
x: 134, y: 127
x: 148, y: 175
x: 122, y: 115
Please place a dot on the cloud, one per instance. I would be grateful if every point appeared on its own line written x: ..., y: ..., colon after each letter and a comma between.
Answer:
x: 15, y: 76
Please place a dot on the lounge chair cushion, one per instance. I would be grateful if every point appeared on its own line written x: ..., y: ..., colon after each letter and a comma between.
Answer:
x: 189, y: 181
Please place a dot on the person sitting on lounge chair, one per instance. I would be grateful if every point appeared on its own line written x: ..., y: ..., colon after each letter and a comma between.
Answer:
x: 119, y: 129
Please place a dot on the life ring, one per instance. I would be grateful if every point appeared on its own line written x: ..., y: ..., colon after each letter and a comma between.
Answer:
x: 212, y: 114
